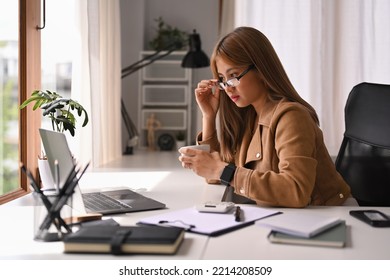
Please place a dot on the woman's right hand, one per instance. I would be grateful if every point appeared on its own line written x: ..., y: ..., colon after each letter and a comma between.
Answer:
x: 207, y: 97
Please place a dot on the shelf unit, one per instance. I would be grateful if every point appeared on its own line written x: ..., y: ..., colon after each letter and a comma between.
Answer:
x: 165, y: 92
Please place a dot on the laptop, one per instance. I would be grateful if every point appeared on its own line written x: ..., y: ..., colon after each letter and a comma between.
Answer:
x: 104, y: 202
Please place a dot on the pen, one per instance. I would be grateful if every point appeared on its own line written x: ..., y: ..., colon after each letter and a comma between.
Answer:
x: 33, y: 183
x: 57, y: 175
x: 237, y: 214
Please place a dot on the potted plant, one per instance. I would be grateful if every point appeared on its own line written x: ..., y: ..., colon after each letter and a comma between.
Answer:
x: 180, y: 139
x: 168, y: 37
x: 62, y: 113
x: 58, y: 109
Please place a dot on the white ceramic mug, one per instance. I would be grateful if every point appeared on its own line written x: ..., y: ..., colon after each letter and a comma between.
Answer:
x: 202, y: 147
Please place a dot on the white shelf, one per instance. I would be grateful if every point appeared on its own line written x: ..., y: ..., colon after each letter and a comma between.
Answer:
x: 165, y: 92
x: 170, y: 119
x: 165, y: 71
x: 164, y: 95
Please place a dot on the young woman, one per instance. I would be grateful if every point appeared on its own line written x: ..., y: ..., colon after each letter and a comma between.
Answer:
x: 269, y: 146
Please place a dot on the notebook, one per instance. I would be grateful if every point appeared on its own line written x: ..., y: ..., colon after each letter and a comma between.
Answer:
x: 124, y: 240
x: 300, y: 224
x: 105, y: 202
x: 332, y: 237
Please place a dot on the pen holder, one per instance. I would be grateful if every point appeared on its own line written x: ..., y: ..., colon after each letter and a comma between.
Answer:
x: 51, y: 225
x: 53, y: 208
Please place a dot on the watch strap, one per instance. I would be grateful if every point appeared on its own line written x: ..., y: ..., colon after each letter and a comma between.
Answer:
x: 228, y: 174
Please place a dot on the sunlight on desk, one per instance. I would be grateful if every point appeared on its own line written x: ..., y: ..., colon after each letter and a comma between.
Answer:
x: 136, y: 181
x: 19, y: 241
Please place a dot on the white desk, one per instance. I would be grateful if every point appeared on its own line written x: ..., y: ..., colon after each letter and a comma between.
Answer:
x: 176, y: 189
x: 180, y: 189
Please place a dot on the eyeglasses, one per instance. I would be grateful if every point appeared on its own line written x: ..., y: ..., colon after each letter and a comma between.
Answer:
x: 235, y: 81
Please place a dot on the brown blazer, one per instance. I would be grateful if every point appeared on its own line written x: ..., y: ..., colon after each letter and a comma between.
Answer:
x: 285, y: 163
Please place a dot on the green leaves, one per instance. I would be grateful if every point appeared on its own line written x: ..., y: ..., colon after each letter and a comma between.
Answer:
x: 168, y: 37
x: 58, y: 109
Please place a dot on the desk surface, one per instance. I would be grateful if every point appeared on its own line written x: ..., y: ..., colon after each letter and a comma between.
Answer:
x: 363, y: 241
x: 179, y: 189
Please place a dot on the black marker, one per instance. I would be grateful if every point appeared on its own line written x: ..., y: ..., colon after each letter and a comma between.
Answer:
x: 237, y: 214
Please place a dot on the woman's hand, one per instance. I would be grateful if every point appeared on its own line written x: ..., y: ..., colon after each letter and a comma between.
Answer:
x: 204, y: 164
x: 207, y: 97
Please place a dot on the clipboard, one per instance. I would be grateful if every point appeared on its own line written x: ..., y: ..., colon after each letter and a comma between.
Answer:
x: 212, y: 224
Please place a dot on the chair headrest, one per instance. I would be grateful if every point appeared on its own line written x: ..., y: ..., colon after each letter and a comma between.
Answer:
x: 367, y: 114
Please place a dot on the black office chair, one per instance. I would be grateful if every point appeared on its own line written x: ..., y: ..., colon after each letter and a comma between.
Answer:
x: 364, y: 156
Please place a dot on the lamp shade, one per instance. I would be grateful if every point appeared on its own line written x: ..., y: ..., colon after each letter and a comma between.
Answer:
x: 195, y: 58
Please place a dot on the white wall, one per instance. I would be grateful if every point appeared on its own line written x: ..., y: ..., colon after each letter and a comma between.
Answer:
x: 138, y: 28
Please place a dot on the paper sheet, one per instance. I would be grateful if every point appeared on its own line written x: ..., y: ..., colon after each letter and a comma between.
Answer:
x: 209, y: 223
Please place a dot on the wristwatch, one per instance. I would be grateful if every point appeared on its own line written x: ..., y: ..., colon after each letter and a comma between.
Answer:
x: 227, y: 174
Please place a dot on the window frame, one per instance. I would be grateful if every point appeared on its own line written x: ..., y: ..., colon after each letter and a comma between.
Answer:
x: 29, y: 79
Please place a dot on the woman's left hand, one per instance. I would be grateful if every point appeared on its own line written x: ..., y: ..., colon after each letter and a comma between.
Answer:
x: 204, y: 164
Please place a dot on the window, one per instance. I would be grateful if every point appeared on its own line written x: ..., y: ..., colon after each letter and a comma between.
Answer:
x: 56, y: 49
x: 20, y: 74
x: 9, y: 136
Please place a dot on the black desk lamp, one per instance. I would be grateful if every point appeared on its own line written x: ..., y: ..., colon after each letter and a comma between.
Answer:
x: 195, y: 58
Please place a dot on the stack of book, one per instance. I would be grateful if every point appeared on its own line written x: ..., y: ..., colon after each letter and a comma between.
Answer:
x: 306, y: 229
x: 118, y: 240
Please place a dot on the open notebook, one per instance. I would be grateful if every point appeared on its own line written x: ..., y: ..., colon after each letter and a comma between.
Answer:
x: 107, y: 202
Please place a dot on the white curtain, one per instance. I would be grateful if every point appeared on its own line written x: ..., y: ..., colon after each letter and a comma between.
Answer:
x: 226, y: 21
x: 327, y: 47
x: 96, y: 81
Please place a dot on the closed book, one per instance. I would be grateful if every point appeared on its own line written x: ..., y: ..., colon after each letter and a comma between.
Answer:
x: 299, y: 224
x: 332, y: 237
x: 124, y: 240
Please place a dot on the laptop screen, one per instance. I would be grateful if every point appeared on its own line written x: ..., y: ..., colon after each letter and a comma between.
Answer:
x: 57, y: 148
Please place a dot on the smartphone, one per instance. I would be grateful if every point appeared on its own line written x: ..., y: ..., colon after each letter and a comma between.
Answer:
x: 374, y: 218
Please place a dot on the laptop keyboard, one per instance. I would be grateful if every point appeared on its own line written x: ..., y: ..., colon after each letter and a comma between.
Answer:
x: 98, y: 201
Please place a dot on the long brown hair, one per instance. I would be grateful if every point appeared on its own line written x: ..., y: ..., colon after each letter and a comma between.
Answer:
x: 243, y: 47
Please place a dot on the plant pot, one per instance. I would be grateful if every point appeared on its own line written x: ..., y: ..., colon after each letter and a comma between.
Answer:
x: 45, y: 174
x: 180, y: 143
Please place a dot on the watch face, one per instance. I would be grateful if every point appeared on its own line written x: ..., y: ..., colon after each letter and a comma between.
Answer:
x: 166, y: 142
